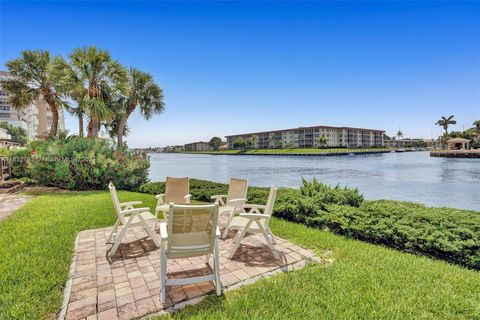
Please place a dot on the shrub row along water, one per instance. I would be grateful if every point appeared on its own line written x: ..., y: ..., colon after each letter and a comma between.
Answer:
x: 449, y: 234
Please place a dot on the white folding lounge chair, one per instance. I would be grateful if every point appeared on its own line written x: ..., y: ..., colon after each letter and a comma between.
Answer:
x: 254, y: 221
x: 234, y: 200
x: 176, y: 191
x: 128, y: 217
x: 191, y: 231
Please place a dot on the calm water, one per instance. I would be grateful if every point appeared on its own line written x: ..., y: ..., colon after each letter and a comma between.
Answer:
x: 411, y: 176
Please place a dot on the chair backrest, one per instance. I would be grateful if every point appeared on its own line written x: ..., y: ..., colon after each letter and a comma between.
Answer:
x: 191, y: 230
x: 116, y: 202
x: 272, y: 196
x: 176, y: 189
x: 237, y: 189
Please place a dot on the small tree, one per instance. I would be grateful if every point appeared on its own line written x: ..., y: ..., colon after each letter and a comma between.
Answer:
x: 239, y: 144
x: 215, y: 143
x: 252, y: 141
x: 322, y: 141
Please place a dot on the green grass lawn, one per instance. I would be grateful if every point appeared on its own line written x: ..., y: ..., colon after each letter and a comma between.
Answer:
x: 292, y: 151
x: 365, y: 280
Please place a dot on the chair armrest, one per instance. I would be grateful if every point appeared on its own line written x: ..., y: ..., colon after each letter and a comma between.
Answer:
x: 136, y: 210
x: 187, y: 198
x: 252, y: 206
x: 254, y: 216
x: 219, y: 198
x: 163, y: 231
x: 161, y: 195
x: 131, y: 203
x: 160, y: 199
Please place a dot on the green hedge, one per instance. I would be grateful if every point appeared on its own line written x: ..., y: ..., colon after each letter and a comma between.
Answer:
x: 449, y: 234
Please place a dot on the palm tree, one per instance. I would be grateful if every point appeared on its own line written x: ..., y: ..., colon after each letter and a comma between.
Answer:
x: 68, y: 82
x: 144, y: 92
x: 399, y: 134
x: 30, y: 80
x: 445, y: 122
x: 101, y: 78
x: 476, y: 125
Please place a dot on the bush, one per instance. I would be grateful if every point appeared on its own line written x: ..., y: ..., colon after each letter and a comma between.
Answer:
x: 85, y: 164
x: 18, y: 159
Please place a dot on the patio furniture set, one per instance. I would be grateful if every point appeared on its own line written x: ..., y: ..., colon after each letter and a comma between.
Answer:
x: 186, y: 230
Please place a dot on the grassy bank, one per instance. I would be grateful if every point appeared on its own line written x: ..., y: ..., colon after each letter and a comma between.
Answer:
x: 294, y: 151
x: 365, y: 280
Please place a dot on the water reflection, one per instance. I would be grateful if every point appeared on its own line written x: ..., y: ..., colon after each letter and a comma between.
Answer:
x: 412, y: 176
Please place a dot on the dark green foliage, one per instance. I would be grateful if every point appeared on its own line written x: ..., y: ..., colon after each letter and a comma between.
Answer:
x: 18, y: 160
x: 85, y: 164
x: 18, y: 134
x: 449, y: 234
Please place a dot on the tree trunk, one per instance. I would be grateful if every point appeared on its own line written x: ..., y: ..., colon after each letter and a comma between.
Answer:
x: 47, y: 95
x: 121, y: 128
x: 122, y: 124
x: 80, y: 124
x: 94, y: 126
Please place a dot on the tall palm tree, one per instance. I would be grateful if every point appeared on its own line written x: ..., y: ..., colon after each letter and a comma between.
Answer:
x: 101, y: 78
x: 146, y: 94
x: 445, y: 122
x: 30, y: 80
x: 68, y: 83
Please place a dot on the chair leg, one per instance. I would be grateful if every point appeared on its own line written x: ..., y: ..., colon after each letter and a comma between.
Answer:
x: 163, y: 273
x: 239, y: 239
x: 149, y: 230
x: 274, y: 241
x: 216, y: 262
x: 114, y: 231
x: 230, y: 218
x: 120, y: 237
x: 267, y: 238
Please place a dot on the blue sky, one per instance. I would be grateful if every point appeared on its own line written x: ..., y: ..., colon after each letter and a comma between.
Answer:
x: 232, y: 67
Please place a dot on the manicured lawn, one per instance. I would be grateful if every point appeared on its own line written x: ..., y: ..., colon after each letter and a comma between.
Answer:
x: 293, y: 151
x: 364, y: 281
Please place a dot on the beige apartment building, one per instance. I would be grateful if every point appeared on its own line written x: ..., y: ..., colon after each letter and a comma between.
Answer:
x: 198, y: 146
x: 308, y: 137
x: 36, y: 118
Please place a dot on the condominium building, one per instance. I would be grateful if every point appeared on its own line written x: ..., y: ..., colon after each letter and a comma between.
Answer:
x: 311, y: 137
x: 198, y: 146
x: 36, y: 118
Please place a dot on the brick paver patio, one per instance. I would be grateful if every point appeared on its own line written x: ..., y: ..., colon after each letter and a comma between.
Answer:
x: 127, y: 287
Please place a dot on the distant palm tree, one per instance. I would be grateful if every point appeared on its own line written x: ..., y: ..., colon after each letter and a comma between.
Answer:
x: 30, y: 80
x: 445, y: 122
x: 399, y: 134
x: 476, y: 125
x: 102, y: 80
x: 253, y: 140
x: 144, y: 92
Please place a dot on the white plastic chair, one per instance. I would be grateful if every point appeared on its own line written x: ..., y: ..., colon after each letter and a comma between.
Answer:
x: 191, y: 231
x: 232, y: 203
x: 254, y: 221
x: 129, y: 216
x: 177, y: 190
